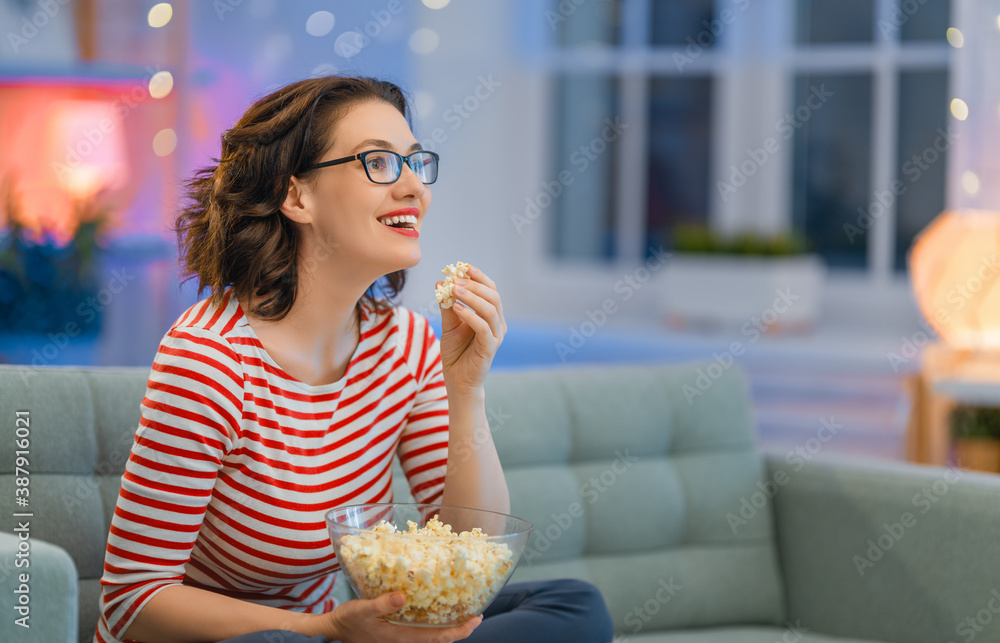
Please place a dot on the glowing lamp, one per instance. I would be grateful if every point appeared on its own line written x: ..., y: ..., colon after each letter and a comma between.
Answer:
x: 955, y: 271
x: 87, y: 146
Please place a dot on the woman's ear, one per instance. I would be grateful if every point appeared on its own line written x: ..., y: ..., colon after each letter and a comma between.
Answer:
x: 296, y: 203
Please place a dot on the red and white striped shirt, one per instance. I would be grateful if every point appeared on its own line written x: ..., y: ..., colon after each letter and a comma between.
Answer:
x: 235, y: 462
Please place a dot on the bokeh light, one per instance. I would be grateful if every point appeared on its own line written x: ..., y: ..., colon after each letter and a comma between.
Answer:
x: 160, y: 14
x: 959, y: 109
x: 320, y: 23
x: 424, y: 41
x: 161, y: 84
x: 164, y: 142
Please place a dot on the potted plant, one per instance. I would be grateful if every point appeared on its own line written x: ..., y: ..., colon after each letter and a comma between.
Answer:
x: 45, y: 279
x: 975, y: 432
x: 748, y: 283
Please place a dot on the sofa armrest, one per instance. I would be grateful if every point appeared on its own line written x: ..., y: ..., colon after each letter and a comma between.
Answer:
x: 49, y: 609
x: 888, y: 551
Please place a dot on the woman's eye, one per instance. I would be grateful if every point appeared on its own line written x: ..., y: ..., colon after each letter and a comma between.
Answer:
x: 376, y: 164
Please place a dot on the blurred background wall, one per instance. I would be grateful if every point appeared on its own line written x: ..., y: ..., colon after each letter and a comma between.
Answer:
x: 732, y: 180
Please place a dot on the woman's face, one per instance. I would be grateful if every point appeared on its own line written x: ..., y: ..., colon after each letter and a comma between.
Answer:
x: 346, y: 208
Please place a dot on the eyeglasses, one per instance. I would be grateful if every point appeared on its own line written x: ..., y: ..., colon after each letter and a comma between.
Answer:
x: 385, y: 166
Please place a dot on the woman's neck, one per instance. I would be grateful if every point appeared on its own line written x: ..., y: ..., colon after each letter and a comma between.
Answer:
x: 315, y: 341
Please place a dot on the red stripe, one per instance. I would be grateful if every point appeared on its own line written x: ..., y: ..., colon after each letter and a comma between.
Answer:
x: 427, y: 467
x: 153, y: 523
x: 241, y: 568
x: 175, y: 451
x: 439, y: 413
x: 412, y: 453
x: 190, y: 311
x: 166, y: 429
x: 187, y: 472
x: 159, y: 504
x: 201, y: 311
x: 166, y: 488
x: 427, y: 485
x: 315, y: 489
x: 408, y: 346
x: 147, y: 540
x: 426, y: 432
x: 221, y: 586
x: 218, y: 310
x: 189, y: 373
x: 117, y: 630
x: 257, y: 438
x: 140, y: 558
x: 236, y: 316
x: 254, y: 553
x: 252, y: 588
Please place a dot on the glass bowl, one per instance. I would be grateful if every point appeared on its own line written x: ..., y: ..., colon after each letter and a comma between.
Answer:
x: 447, y: 578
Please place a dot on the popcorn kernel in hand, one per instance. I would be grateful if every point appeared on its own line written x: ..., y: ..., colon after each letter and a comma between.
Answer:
x: 443, y: 293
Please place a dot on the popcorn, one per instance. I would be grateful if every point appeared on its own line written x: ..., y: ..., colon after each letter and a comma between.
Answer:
x: 443, y: 292
x: 447, y: 577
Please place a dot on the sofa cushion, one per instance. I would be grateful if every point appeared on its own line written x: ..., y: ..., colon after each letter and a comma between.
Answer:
x: 890, y: 550
x: 791, y: 634
x: 82, y: 422
x: 629, y: 478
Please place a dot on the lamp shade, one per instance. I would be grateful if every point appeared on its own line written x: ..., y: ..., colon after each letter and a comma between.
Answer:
x: 87, y: 146
x: 955, y: 271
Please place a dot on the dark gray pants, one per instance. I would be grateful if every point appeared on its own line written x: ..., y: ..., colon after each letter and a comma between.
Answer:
x: 549, y: 611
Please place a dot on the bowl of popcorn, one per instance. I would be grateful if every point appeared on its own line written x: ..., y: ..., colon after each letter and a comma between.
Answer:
x: 451, y: 562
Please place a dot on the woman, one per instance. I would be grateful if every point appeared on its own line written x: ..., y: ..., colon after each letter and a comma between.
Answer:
x: 289, y: 390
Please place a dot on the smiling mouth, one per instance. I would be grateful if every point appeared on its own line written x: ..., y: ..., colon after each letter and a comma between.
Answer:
x: 399, y: 221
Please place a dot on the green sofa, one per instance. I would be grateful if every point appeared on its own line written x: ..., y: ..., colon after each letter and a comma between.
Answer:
x: 667, y: 506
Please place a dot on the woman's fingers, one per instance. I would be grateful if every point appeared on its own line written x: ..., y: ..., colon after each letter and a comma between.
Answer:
x: 477, y: 275
x: 475, y: 321
x: 475, y: 296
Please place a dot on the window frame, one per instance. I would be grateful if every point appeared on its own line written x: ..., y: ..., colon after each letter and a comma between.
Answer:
x: 761, y: 31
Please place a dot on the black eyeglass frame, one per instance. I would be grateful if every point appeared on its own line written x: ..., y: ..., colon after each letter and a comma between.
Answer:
x: 405, y: 160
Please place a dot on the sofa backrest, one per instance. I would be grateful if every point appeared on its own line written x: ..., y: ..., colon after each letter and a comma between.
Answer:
x: 81, y: 425
x: 632, y: 477
x: 627, y: 484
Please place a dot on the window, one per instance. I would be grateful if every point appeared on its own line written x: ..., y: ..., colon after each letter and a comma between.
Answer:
x: 826, y: 117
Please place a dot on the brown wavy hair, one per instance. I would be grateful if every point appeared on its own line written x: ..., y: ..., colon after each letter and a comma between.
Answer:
x: 232, y: 233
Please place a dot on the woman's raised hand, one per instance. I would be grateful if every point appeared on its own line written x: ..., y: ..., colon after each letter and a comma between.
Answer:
x: 471, y: 333
x: 362, y: 621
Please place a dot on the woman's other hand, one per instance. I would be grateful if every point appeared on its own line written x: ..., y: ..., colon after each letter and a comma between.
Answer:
x: 471, y: 333
x: 363, y: 621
